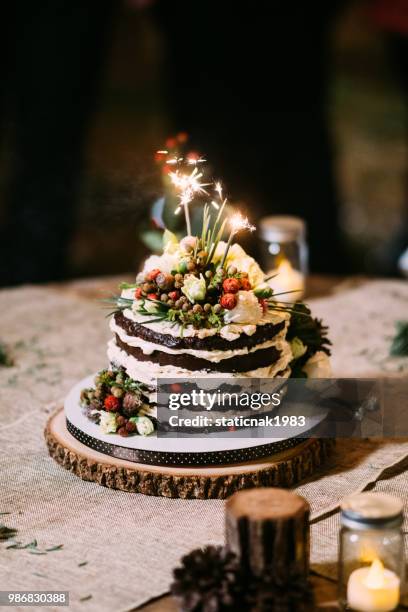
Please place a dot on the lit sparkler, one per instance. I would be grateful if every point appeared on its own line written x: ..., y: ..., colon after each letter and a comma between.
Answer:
x: 218, y: 189
x: 189, y: 186
x: 237, y: 223
x: 193, y: 161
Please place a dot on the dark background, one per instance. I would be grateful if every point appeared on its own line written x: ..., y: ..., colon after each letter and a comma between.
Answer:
x: 300, y: 107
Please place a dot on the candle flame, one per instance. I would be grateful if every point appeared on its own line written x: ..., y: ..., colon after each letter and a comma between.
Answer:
x: 375, y: 577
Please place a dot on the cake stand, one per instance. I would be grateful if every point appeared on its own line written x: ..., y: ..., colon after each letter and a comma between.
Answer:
x: 193, y: 467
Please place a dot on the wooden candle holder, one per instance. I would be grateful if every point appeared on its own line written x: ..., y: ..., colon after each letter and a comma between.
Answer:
x: 268, y: 529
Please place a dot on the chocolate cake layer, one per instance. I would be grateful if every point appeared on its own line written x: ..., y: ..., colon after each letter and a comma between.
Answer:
x: 241, y: 363
x: 263, y: 334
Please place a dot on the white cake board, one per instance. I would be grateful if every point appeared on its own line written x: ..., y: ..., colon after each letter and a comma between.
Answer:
x: 194, y: 449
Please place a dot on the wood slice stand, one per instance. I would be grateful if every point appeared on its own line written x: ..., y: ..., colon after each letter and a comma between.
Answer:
x: 281, y: 470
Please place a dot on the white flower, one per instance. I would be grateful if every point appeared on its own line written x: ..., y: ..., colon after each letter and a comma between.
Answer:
x: 144, y: 425
x: 108, y: 422
x: 242, y: 261
x: 165, y: 263
x: 297, y: 347
x: 150, y: 306
x: 194, y: 288
x: 173, y: 253
x: 188, y: 243
x: 248, y: 310
x: 318, y: 366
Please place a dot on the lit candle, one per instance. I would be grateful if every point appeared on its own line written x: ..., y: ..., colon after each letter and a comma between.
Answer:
x: 373, y: 589
x: 286, y: 278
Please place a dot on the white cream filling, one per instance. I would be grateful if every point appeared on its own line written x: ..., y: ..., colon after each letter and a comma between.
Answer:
x: 214, y: 356
x: 228, y: 332
x: 147, y: 372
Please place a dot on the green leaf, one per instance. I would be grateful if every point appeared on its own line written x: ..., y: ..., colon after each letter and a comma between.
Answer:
x: 37, y: 552
x: 58, y: 547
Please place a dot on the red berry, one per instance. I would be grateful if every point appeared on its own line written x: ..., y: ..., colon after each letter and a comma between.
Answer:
x: 111, y: 403
x: 152, y: 274
x: 228, y: 301
x: 174, y: 295
x: 122, y: 431
x: 245, y: 284
x: 152, y: 296
x: 231, y: 285
x: 138, y: 293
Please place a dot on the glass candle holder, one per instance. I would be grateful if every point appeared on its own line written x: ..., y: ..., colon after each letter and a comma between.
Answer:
x: 371, y: 557
x: 284, y: 255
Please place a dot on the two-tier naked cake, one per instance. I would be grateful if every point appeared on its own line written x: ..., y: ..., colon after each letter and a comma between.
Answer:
x: 202, y: 308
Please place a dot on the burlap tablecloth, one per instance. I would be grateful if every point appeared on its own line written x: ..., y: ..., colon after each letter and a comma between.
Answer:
x: 119, y: 548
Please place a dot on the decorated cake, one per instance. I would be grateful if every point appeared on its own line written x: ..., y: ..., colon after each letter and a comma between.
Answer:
x: 202, y: 308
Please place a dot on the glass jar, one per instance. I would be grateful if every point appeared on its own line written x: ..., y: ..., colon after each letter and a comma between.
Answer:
x: 371, y: 556
x: 284, y: 255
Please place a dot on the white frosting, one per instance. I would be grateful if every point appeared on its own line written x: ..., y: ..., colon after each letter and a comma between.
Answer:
x: 147, y: 372
x: 231, y: 331
x: 214, y: 356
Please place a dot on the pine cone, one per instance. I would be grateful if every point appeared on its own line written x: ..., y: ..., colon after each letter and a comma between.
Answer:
x: 208, y: 581
x: 266, y: 595
x: 131, y: 404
